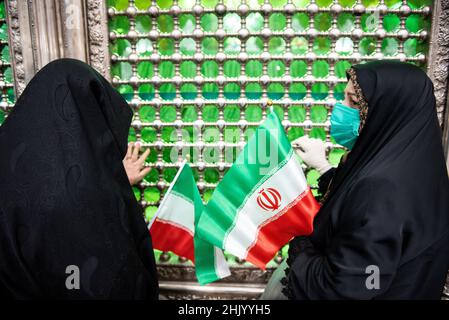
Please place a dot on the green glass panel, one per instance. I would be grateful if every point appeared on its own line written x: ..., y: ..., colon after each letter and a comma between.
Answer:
x: 210, y: 91
x: 300, y: 22
x: 148, y: 134
x: 121, y: 70
x: 164, y: 4
x: 301, y: 3
x: 391, y: 22
x: 393, y: 4
x: 188, y: 114
x: 341, y: 67
x: 168, y: 114
x: 211, y: 175
x: 165, y: 23
x: 275, y: 91
x: 152, y: 176
x: 345, y: 22
x: 231, y: 113
x: 295, y: 133
x: 136, y: 192
x: 210, y: 113
x: 150, y: 211
x: 209, y: 69
x: 231, y: 46
x: 10, y: 91
x: 186, y: 4
x: 253, y: 91
x: 209, y: 46
x: 187, y: 23
x: 370, y: 3
x: 167, y: 91
x: 418, y: 4
x: 5, y: 54
x: 276, y: 68
x: 144, y: 47
x: 145, y: 70
x: 119, y: 24
x: 8, y: 77
x: 166, y: 46
x: 413, y: 47
x: 344, y: 46
x: 119, y: 5
x: 143, y: 24
x: 232, y: 135
x: 2, y: 10
x: 416, y: 23
x: 132, y: 135
x: 254, y: 22
x: 126, y: 91
x: 169, y: 174
x: 277, y: 22
x: 188, y: 69
x: 142, y: 4
x: 298, y: 68
x: 389, y: 46
x: 187, y: 134
x: 249, y: 133
x: 367, y: 46
x: 318, y: 113
x: 324, y: 3
x: 369, y: 22
x: 4, y: 32
x: 297, y: 91
x: 319, y: 91
x: 189, y: 91
x: 339, y: 91
x: 207, y: 195
x: 231, y: 4
x: 253, y: 113
x: 320, y: 69
x: 147, y: 114
x: 254, y: 46
x: 296, y: 114
x: 231, y: 91
x: 231, y: 68
x: 231, y: 22
x: 121, y: 47
x: 323, y: 21
x: 166, y: 69
x: 211, y: 135
x: 151, y: 194
x: 347, y: 3
x: 321, y: 45
x: 318, y: 133
x: 2, y: 116
x: 335, y: 156
x: 276, y: 45
x: 253, y: 68
x: 312, y: 177
x: 187, y: 46
x: 209, y: 22
x: 278, y: 3
x: 168, y: 134
x: 146, y: 91
x: 209, y: 3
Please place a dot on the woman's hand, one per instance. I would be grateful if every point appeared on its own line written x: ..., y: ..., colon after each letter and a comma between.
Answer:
x: 134, y: 165
x: 313, y: 153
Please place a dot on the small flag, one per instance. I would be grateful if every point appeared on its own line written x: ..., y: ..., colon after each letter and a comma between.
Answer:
x: 173, y: 228
x: 263, y: 200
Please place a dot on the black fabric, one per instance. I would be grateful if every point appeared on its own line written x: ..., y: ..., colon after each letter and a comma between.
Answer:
x: 64, y: 195
x: 388, y: 204
x: 324, y: 182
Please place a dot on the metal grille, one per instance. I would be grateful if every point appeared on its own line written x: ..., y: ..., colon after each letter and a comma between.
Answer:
x: 199, y: 73
x: 7, y: 98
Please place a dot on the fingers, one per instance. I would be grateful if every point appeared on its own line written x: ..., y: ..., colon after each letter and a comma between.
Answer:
x: 302, y: 143
x: 142, y: 158
x: 135, y: 152
x: 143, y: 173
x: 129, y: 151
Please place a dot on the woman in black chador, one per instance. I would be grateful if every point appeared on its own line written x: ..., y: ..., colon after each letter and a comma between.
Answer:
x: 383, y: 229
x: 66, y: 204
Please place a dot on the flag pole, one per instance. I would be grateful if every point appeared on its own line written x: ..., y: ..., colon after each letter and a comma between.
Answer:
x: 183, y: 163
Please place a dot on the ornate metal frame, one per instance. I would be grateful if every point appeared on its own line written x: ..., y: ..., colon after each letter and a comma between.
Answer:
x: 39, y: 33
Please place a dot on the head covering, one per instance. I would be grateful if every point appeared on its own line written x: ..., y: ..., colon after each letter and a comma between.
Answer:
x: 388, y: 203
x: 66, y: 203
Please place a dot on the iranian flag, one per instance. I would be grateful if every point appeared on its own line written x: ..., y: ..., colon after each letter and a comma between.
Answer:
x: 263, y: 201
x: 173, y: 228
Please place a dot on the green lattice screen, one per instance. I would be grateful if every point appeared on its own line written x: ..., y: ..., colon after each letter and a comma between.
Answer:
x: 198, y: 73
x: 6, y: 77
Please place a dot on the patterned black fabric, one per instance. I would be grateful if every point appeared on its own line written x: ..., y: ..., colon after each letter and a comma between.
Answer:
x: 65, y: 198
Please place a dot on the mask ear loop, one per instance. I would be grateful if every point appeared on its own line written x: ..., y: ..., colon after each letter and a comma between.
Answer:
x: 362, y: 104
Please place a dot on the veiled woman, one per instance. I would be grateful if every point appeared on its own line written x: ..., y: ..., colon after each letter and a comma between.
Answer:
x: 70, y: 226
x: 383, y: 228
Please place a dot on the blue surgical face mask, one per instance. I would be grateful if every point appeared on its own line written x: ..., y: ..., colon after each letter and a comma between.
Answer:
x: 345, y: 122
